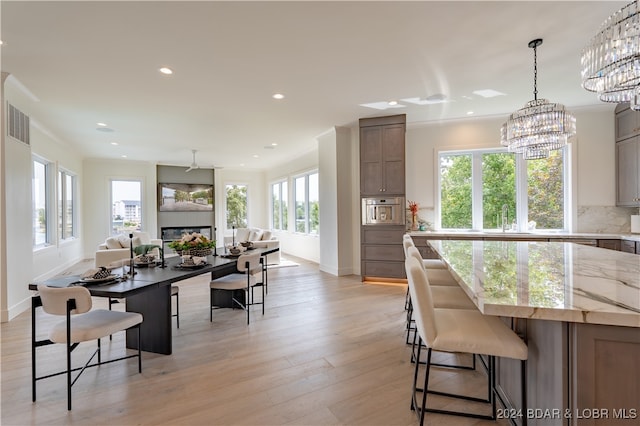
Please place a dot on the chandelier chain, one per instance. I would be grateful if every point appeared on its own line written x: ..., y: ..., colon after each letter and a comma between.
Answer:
x: 535, y: 72
x: 539, y: 127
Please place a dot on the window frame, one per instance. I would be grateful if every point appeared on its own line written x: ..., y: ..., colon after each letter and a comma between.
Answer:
x: 49, y: 202
x: 226, y: 219
x: 283, y: 212
x: 521, y: 189
x: 307, y: 203
x: 111, y: 203
x: 63, y: 174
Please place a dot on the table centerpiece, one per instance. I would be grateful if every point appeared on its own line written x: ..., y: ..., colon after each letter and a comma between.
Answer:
x: 194, y: 244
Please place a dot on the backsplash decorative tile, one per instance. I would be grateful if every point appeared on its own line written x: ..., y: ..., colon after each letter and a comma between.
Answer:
x: 605, y: 219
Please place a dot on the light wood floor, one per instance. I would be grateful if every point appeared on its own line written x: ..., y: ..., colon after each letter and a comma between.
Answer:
x: 329, y: 350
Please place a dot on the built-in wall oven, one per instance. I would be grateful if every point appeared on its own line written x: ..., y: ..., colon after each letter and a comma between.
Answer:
x: 383, y: 211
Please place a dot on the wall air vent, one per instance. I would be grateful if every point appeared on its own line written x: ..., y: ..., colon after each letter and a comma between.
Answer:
x: 17, y: 124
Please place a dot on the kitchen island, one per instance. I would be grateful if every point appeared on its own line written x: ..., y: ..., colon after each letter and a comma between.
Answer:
x: 578, y: 309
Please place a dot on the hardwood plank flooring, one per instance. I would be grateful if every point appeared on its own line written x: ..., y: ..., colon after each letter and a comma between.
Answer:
x: 328, y: 351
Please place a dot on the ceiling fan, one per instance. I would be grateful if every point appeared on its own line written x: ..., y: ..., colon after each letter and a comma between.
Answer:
x: 193, y: 165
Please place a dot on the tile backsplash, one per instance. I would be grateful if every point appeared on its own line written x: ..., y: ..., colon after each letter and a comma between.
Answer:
x: 605, y: 219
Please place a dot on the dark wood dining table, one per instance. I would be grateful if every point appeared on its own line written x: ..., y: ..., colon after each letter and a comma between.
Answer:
x: 149, y: 293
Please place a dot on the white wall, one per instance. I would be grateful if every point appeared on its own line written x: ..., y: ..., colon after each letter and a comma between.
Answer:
x: 98, y: 174
x: 593, y: 152
x: 257, y: 201
x: 336, y: 241
x: 301, y: 245
x: 23, y: 264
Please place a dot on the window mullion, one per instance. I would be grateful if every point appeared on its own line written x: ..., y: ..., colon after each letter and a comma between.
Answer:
x: 476, y: 191
x: 522, y: 194
x: 306, y: 203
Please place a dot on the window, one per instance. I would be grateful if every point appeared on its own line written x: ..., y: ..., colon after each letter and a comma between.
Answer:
x: 42, y: 209
x: 237, y: 206
x: 477, y: 187
x: 307, y: 204
x: 279, y: 206
x: 126, y: 206
x: 66, y: 205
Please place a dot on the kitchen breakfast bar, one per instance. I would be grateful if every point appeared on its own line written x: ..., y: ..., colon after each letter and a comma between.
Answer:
x: 578, y: 309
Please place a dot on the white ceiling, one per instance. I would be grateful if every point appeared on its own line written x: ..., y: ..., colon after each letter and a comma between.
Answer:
x: 90, y: 62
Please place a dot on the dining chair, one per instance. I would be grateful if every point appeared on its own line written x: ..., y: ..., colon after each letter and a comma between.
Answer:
x: 81, y: 324
x: 251, y: 274
x: 458, y: 331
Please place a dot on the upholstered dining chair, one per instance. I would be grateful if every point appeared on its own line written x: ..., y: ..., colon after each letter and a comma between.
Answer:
x: 81, y: 324
x: 458, y: 331
x: 251, y: 273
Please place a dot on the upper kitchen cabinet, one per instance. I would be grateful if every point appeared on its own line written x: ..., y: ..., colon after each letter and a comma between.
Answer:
x: 628, y: 172
x: 382, y: 162
x: 627, y: 156
x: 627, y: 122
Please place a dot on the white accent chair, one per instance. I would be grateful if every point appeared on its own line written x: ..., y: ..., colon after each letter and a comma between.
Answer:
x: 81, y: 325
x: 118, y: 247
x: 458, y: 330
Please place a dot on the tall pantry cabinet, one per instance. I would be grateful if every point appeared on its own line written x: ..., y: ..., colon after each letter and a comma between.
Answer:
x: 382, y: 175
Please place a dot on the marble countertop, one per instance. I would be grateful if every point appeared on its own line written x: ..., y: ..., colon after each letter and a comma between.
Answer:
x: 521, y: 235
x: 555, y: 281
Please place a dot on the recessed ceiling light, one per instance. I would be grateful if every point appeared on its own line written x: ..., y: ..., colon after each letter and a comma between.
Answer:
x: 469, y: 112
x: 488, y: 93
x: 256, y: 156
x: 274, y: 144
x: 166, y: 71
x: 123, y: 156
x: 278, y: 96
x: 101, y: 124
x: 114, y: 143
x: 241, y: 164
x: 393, y: 103
x: 1, y: 42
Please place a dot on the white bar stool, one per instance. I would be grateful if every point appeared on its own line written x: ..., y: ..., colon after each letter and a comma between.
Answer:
x: 458, y: 330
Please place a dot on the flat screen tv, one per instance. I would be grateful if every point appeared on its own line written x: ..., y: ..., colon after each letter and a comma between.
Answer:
x: 185, y: 197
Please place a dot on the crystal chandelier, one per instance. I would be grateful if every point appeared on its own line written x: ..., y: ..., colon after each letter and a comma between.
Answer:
x: 540, y: 126
x: 611, y: 61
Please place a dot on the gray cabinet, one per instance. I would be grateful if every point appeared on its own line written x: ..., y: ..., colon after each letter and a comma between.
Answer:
x: 628, y: 172
x: 610, y: 244
x: 627, y: 122
x: 424, y: 248
x: 382, y: 162
x: 382, y: 170
x: 381, y: 252
x: 628, y: 246
x: 627, y: 156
